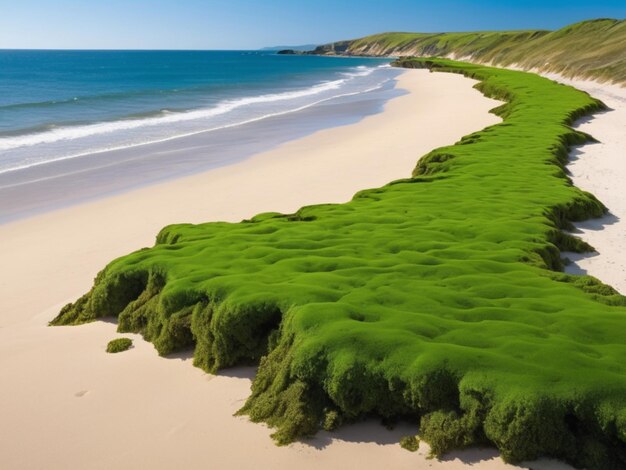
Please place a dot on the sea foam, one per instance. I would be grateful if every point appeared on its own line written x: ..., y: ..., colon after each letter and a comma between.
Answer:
x: 62, y: 142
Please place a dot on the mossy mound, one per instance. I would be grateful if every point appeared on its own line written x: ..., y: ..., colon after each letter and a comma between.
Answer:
x: 119, y: 345
x: 410, y: 443
x: 436, y: 298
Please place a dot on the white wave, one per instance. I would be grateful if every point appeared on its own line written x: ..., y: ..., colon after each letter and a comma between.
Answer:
x: 226, y: 126
x: 76, y: 132
x: 362, y: 71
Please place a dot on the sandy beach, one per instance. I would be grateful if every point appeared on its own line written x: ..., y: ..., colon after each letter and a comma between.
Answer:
x: 600, y: 168
x: 65, y: 403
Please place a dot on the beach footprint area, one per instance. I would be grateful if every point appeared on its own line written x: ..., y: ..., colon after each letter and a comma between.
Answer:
x: 438, y: 299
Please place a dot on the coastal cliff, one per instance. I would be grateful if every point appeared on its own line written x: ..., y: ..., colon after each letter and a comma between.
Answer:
x: 593, y: 49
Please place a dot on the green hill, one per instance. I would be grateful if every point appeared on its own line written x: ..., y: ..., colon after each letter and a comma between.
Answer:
x: 437, y: 299
x: 590, y: 49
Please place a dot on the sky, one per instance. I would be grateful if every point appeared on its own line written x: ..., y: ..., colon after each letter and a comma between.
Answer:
x: 247, y: 24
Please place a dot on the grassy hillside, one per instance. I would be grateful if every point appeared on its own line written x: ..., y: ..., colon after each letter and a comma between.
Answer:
x: 590, y: 49
x: 437, y: 298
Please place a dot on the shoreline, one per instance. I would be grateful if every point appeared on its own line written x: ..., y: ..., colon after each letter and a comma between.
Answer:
x: 95, y: 404
x: 600, y: 169
x: 68, y: 182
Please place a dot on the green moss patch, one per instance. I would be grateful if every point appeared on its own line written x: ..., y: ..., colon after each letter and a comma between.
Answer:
x: 119, y: 345
x: 436, y: 299
x: 410, y: 443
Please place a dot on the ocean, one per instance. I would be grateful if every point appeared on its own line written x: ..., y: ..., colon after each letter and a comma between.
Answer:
x: 70, y: 119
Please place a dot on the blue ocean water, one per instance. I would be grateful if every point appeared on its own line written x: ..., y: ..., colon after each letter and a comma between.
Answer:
x: 59, y: 105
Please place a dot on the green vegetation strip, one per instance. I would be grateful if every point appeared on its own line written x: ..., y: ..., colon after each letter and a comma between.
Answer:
x: 589, y: 49
x: 437, y: 298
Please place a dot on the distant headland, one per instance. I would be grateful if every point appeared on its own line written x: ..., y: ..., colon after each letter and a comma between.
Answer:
x: 593, y: 49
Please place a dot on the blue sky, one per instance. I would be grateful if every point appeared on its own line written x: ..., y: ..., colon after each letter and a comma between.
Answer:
x: 247, y: 24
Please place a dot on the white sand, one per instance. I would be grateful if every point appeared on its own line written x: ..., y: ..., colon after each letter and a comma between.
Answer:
x: 600, y: 168
x: 66, y: 404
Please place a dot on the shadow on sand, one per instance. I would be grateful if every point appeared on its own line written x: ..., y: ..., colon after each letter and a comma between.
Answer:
x: 572, y: 259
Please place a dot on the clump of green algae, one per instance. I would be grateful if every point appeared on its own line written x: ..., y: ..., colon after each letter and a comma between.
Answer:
x: 437, y: 298
x: 410, y: 443
x: 119, y: 345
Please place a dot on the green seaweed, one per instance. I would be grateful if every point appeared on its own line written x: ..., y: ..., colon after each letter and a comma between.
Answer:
x: 119, y: 345
x: 410, y: 443
x: 436, y: 299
